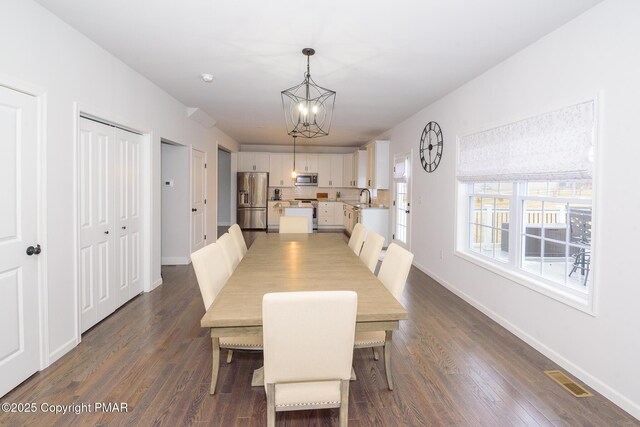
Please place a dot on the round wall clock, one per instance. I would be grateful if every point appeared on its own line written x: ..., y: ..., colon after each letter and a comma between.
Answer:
x: 431, y: 146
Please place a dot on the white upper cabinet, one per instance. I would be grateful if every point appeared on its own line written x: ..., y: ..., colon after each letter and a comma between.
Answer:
x: 280, y: 167
x: 378, y: 165
x: 347, y: 170
x: 307, y: 162
x: 253, y: 162
x: 330, y: 170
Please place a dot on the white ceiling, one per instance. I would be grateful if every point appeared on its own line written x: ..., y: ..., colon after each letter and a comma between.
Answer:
x: 386, y: 59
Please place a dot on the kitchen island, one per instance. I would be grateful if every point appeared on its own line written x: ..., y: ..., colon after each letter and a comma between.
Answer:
x: 299, y: 209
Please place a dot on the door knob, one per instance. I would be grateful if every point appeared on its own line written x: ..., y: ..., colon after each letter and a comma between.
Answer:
x: 194, y: 210
x: 106, y: 232
x: 407, y: 211
x: 124, y: 227
x: 31, y: 250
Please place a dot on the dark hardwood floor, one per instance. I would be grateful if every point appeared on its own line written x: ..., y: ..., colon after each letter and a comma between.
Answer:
x: 452, y: 366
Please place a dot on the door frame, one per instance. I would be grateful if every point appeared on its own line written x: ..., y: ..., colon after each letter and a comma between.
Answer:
x: 80, y: 109
x: 409, y: 156
x: 206, y: 207
x: 40, y: 95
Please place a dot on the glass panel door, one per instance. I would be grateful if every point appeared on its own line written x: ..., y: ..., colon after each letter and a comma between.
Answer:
x: 401, y: 204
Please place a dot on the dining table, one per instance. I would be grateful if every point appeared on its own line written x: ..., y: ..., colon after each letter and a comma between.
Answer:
x: 292, y: 263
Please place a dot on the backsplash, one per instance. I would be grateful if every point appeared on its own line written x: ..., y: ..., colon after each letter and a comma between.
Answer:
x: 382, y: 198
x: 379, y: 196
x: 310, y: 192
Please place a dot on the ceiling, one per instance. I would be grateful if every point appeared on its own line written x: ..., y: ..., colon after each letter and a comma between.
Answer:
x: 386, y: 60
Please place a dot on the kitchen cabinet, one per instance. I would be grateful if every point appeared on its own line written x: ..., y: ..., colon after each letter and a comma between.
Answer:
x: 378, y: 165
x: 273, y: 215
x: 307, y: 162
x: 330, y: 214
x: 348, y: 172
x: 355, y: 169
x: 348, y: 218
x: 330, y: 170
x: 337, y: 214
x: 280, y: 167
x: 377, y: 220
x: 253, y: 162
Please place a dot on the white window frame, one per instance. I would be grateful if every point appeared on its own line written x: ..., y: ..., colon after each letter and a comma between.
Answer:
x: 581, y: 300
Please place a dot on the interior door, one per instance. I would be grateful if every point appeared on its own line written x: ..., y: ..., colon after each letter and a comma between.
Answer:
x: 402, y: 200
x: 97, y: 252
x: 19, y: 346
x: 127, y: 206
x: 198, y: 194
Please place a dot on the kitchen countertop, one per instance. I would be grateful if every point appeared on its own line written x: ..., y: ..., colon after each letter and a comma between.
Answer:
x: 285, y: 204
x: 359, y: 205
x: 354, y: 203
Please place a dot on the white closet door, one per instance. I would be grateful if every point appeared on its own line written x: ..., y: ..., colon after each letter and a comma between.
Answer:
x: 127, y: 208
x: 96, y: 263
x: 19, y: 345
x: 135, y: 214
x: 110, y: 220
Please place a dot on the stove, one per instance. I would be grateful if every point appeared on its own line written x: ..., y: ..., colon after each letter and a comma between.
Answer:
x: 314, y: 203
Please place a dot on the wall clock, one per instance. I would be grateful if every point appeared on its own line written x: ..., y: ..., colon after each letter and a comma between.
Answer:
x: 431, y: 146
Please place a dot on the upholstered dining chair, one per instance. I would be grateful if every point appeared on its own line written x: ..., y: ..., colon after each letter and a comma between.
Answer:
x: 393, y: 275
x: 371, y: 250
x: 294, y: 224
x: 357, y: 238
x: 230, y: 251
x: 308, y: 350
x: 212, y: 273
x: 238, y: 239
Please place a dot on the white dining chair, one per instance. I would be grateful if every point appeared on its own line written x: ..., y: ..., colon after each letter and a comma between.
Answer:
x: 294, y: 224
x: 393, y: 275
x: 230, y: 251
x: 371, y: 250
x: 212, y: 273
x: 308, y: 350
x: 238, y: 239
x: 357, y: 238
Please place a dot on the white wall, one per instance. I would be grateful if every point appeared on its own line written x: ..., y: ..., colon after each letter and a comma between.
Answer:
x: 224, y: 188
x: 37, y: 50
x: 176, y: 205
x: 595, y: 55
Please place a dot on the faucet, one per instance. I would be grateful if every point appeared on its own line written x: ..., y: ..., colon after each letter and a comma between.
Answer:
x: 368, y: 193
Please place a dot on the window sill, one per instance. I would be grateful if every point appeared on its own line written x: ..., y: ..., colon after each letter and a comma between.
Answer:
x: 579, y: 302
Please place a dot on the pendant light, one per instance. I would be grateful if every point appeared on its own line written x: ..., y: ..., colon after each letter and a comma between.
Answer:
x: 308, y: 107
x: 294, y: 173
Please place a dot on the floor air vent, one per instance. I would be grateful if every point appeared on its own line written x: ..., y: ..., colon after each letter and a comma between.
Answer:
x: 568, y: 384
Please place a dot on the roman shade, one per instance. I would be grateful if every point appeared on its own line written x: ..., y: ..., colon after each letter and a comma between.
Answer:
x: 399, y: 170
x: 552, y: 146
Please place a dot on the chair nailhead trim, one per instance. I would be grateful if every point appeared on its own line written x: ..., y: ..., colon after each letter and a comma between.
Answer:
x: 309, y: 403
x: 222, y: 343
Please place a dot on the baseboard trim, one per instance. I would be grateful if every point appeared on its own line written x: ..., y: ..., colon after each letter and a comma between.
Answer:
x: 616, y: 397
x: 156, y: 284
x: 62, y: 350
x: 176, y: 261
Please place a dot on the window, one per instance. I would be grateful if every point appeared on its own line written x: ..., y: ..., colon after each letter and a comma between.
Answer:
x: 526, y: 210
x: 552, y: 222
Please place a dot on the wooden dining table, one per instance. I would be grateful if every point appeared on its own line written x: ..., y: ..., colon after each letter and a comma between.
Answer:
x: 298, y: 262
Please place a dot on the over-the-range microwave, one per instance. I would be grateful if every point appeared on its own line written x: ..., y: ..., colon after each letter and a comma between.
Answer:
x: 307, y: 179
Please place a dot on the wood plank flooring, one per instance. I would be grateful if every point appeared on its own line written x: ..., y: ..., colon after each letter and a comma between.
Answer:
x: 452, y: 366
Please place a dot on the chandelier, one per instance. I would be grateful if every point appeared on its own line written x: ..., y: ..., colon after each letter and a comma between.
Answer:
x: 308, y: 108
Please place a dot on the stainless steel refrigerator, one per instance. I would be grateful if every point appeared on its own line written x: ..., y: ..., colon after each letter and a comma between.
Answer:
x: 252, y: 200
